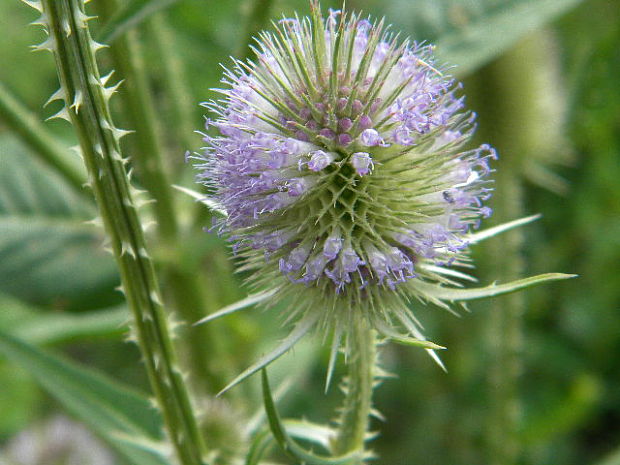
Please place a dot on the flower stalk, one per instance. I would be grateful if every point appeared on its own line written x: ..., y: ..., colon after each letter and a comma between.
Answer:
x: 86, y: 107
x: 359, y: 385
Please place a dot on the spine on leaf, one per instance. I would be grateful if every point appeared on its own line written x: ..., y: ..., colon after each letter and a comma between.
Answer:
x: 86, y: 107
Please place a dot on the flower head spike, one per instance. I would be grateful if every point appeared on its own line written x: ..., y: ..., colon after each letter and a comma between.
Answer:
x: 341, y: 166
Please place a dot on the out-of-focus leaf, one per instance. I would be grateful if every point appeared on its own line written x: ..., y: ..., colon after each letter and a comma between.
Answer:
x: 613, y: 459
x: 259, y: 447
x: 47, y: 252
x: 560, y: 415
x: 130, y: 16
x: 14, y: 312
x: 305, y: 430
x: 55, y: 328
x: 469, y: 34
x: 17, y: 398
x: 113, y: 411
x: 293, y: 368
x: 311, y: 432
x: 36, y: 326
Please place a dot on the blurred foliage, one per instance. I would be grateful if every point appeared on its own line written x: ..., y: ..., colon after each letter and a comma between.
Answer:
x: 53, y: 272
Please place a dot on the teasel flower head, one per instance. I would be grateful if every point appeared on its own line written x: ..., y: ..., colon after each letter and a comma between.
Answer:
x: 341, y: 169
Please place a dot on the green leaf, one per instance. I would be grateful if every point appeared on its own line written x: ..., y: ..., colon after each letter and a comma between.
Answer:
x: 202, y: 198
x: 36, y: 326
x: 301, y: 329
x: 305, y: 430
x: 480, y: 236
x: 412, y: 341
x: 113, y: 411
x: 250, y: 300
x: 48, y: 255
x: 404, y: 339
x: 18, y: 399
x: 259, y: 447
x: 311, y: 432
x: 452, y: 294
x: 56, y: 328
x: 611, y: 459
x: 470, y: 34
x: 130, y: 16
x: 289, y: 445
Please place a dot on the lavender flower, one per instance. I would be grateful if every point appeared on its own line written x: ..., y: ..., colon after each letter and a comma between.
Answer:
x: 340, y: 164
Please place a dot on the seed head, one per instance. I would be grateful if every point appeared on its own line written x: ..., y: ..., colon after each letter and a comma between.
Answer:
x: 340, y: 164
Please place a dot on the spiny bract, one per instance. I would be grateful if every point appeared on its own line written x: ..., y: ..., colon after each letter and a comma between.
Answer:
x: 339, y: 166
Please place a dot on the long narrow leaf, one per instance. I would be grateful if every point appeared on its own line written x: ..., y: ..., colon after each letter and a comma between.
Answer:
x: 111, y: 410
x: 250, y: 300
x: 496, y: 30
x: 289, y: 445
x: 50, y: 328
x: 490, y: 232
x: 47, y: 251
x: 446, y: 293
x: 302, y: 328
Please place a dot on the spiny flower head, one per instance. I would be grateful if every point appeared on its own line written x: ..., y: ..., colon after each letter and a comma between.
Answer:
x: 340, y: 166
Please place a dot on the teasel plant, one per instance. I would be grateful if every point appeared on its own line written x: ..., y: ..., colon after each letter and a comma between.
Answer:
x: 341, y: 175
x: 337, y: 165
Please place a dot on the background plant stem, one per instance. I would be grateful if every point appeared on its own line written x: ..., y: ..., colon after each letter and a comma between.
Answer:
x: 179, y: 103
x: 511, y: 119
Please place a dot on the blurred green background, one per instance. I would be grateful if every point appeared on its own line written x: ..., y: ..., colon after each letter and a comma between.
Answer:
x: 543, y: 77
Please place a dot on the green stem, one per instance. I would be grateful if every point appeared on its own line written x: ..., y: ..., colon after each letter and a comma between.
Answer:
x: 505, y: 327
x: 360, y: 382
x: 180, y: 105
x: 87, y: 106
x: 177, y: 95
x: 512, y: 91
x: 27, y: 125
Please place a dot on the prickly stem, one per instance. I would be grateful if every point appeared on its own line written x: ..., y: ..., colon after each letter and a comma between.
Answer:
x: 87, y: 108
x: 359, y: 385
